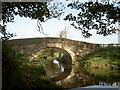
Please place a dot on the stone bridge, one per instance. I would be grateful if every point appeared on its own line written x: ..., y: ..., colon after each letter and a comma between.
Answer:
x: 74, y: 49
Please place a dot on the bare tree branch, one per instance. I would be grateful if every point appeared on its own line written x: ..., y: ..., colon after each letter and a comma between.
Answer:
x: 40, y: 28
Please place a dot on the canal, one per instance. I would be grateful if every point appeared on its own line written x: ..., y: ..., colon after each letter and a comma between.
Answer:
x: 70, y: 75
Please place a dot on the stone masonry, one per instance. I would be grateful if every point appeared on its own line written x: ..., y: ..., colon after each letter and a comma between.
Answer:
x: 75, y: 49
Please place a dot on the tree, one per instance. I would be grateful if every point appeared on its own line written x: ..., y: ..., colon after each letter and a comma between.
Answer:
x: 63, y: 33
x: 95, y: 15
x: 42, y: 11
x: 92, y: 15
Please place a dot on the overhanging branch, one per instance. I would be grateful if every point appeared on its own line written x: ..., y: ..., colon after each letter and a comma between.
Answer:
x: 40, y: 28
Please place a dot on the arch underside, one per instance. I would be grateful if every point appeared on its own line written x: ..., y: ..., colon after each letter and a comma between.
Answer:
x: 68, y: 58
x: 68, y: 61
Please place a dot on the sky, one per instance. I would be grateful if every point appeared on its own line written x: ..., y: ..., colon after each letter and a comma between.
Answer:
x: 27, y: 28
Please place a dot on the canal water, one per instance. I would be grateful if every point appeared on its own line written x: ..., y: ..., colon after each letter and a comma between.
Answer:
x: 70, y: 76
x: 73, y: 76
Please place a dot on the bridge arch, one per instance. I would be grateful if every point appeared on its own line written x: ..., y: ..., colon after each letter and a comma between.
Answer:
x: 68, y: 61
x: 76, y: 49
x: 68, y: 58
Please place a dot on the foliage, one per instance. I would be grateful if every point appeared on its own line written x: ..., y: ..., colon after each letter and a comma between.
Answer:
x: 19, y: 75
x: 35, y: 75
x: 10, y: 69
x: 42, y: 11
x: 104, y: 63
x: 31, y: 10
x: 21, y: 57
x: 52, y: 53
x: 63, y: 33
x: 46, y: 57
x: 105, y: 56
x: 76, y: 64
x: 94, y: 15
x: 6, y: 35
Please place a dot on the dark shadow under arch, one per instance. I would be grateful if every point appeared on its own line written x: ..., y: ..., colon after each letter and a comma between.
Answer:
x: 67, y: 69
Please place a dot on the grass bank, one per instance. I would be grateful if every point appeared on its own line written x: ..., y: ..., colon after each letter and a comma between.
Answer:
x: 103, y: 64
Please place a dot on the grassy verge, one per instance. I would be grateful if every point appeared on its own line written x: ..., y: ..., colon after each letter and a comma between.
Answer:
x: 103, y: 64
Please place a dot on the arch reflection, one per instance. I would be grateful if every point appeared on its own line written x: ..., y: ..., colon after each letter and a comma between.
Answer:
x: 57, y: 62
